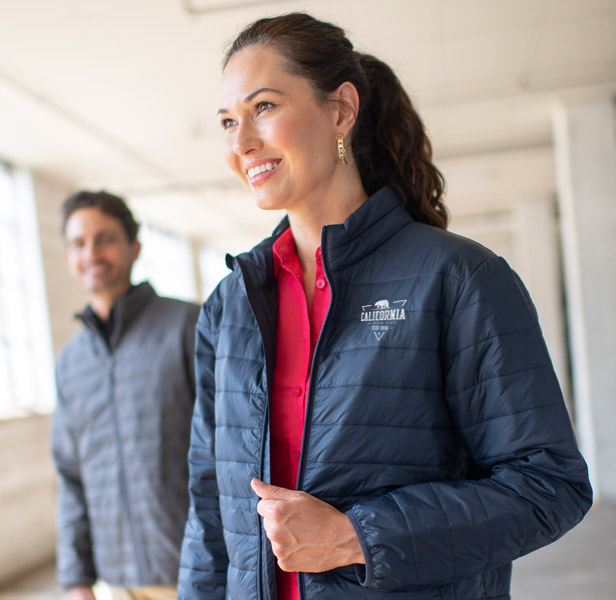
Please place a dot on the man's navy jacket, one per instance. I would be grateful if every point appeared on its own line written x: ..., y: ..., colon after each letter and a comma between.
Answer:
x: 434, y: 419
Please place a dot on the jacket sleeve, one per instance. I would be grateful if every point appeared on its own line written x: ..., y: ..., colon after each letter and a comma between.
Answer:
x: 75, y: 564
x: 530, y: 484
x: 188, y: 333
x: 203, y: 563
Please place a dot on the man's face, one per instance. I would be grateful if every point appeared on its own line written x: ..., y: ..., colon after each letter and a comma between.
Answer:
x: 98, y: 252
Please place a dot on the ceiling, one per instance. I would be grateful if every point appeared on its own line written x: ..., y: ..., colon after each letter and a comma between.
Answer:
x: 123, y: 94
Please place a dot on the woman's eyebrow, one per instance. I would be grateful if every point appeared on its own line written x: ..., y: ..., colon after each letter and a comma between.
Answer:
x: 251, y: 96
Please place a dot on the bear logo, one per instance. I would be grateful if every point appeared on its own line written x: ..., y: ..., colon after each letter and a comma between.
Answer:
x: 381, y: 304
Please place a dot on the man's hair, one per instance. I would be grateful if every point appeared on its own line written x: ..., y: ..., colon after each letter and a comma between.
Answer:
x: 111, y: 205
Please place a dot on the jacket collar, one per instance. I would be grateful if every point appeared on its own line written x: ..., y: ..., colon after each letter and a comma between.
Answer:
x: 125, y: 310
x: 370, y: 226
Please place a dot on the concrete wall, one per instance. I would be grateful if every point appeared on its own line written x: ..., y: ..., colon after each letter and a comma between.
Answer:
x: 26, y: 496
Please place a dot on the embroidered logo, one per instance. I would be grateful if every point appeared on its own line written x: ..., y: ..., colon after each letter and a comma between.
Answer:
x: 383, y: 315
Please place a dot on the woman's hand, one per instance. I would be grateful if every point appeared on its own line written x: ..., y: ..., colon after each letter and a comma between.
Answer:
x: 306, y: 533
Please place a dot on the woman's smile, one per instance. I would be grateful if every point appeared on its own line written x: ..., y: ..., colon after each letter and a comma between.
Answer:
x: 259, y: 171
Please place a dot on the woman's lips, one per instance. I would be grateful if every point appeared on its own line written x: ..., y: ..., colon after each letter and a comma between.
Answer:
x: 260, y: 172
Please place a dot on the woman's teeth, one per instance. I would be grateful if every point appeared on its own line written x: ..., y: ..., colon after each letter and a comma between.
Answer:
x: 261, y: 169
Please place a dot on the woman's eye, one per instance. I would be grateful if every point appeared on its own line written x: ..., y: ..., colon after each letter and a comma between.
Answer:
x: 226, y: 123
x: 263, y: 106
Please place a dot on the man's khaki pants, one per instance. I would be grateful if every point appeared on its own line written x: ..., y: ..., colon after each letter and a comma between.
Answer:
x: 145, y: 593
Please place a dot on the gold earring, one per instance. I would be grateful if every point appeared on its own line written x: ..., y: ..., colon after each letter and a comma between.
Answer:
x: 342, y: 156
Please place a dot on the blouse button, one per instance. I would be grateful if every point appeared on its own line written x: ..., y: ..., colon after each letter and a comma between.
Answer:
x: 297, y: 391
x: 295, y: 455
x: 321, y: 283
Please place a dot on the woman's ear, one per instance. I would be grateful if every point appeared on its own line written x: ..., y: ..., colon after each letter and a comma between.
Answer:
x: 347, y: 98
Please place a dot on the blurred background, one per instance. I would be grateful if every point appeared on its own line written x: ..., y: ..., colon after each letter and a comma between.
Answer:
x: 518, y: 98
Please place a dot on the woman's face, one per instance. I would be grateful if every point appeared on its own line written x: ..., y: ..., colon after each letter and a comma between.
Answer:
x: 280, y: 140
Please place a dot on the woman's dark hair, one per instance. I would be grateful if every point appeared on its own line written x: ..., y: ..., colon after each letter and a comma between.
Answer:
x: 111, y: 205
x: 388, y: 140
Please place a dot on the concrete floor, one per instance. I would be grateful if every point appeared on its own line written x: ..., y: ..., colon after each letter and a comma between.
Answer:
x: 580, y: 566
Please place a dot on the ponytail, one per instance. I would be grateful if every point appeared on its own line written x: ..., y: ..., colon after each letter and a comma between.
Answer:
x: 390, y: 145
x: 388, y: 141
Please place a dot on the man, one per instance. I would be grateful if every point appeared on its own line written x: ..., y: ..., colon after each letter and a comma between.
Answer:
x: 121, y: 429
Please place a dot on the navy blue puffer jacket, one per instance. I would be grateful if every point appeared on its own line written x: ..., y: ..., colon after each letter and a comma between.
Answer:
x: 434, y: 419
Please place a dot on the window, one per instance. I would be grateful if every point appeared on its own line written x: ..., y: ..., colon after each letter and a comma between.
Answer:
x: 166, y: 261
x: 212, y: 269
x: 26, y: 356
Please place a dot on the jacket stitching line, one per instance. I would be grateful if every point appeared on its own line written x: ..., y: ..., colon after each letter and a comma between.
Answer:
x: 511, y: 414
x: 400, y: 279
x: 230, y: 391
x: 237, y: 497
x: 231, y: 531
x: 223, y: 356
x: 195, y: 568
x: 505, y: 458
x: 499, y: 376
x: 407, y: 427
x: 388, y: 463
x: 489, y: 338
x: 486, y: 299
x: 233, y: 326
x: 379, y: 387
x: 232, y: 566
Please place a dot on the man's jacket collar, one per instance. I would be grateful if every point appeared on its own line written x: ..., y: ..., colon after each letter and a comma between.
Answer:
x: 125, y: 310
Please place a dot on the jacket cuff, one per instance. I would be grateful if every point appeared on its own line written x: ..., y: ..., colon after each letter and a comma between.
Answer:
x: 365, y: 573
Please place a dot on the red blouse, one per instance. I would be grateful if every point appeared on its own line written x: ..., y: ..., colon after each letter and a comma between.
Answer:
x: 296, y: 338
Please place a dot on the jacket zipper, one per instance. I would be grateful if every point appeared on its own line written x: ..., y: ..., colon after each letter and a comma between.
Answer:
x: 123, y: 485
x: 302, y: 462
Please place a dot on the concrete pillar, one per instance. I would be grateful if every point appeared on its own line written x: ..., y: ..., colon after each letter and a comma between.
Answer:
x: 585, y: 149
x: 536, y: 257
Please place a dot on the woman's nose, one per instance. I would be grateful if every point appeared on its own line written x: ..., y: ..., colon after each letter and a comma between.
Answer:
x: 246, y: 139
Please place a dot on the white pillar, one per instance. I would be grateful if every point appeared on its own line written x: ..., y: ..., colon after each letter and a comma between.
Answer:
x: 585, y: 148
x: 536, y: 253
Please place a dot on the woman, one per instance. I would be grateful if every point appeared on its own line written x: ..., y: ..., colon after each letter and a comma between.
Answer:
x: 377, y: 413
